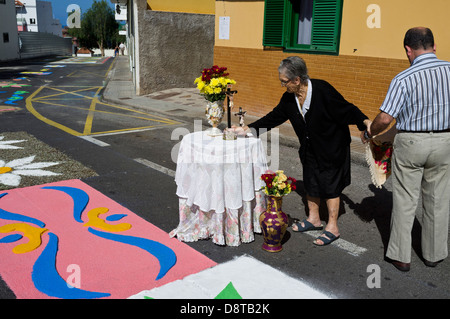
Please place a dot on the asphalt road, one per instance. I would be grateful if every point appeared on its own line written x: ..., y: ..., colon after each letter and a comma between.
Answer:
x: 56, y: 110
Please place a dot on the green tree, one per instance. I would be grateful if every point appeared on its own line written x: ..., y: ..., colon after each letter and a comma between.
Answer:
x: 99, y: 27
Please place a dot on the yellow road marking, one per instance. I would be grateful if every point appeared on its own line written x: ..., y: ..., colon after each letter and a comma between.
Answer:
x: 113, y: 113
x: 163, y: 119
x: 71, y: 92
x: 128, y: 129
x: 30, y: 108
x: 110, y: 67
x: 80, y: 74
x: 90, y: 117
x: 47, y: 99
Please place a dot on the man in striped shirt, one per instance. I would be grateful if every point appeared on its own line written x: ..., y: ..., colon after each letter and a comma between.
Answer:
x: 419, y: 100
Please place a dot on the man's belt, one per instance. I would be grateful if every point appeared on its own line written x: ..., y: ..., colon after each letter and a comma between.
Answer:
x: 441, y: 131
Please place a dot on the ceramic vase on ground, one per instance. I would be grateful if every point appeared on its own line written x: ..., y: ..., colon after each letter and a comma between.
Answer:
x: 214, y: 115
x: 274, y: 223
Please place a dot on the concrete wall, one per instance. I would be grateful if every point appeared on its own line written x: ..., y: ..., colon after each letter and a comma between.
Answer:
x: 37, y: 44
x: 173, y: 49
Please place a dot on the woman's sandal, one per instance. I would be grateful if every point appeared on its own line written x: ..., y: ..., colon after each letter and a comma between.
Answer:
x: 308, y: 226
x: 326, y: 241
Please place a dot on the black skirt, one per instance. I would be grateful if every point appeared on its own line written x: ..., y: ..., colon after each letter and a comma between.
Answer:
x: 325, y: 183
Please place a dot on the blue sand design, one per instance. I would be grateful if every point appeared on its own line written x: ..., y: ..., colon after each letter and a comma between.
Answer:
x: 11, y: 238
x: 115, y: 217
x: 12, y: 216
x: 80, y: 199
x: 166, y: 256
x: 47, y: 280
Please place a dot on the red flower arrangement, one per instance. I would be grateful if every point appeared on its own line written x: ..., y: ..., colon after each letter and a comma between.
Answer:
x: 213, y: 72
x: 278, y: 184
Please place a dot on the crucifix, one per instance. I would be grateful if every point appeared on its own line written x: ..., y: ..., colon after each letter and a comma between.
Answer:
x: 241, y: 115
x: 230, y: 95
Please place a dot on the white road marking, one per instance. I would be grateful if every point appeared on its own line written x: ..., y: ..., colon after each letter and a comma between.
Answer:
x: 94, y: 140
x: 350, y: 248
x: 155, y: 166
x: 91, y: 139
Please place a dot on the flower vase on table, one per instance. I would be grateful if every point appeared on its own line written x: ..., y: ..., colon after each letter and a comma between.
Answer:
x: 274, y: 221
x: 212, y: 85
x: 214, y: 115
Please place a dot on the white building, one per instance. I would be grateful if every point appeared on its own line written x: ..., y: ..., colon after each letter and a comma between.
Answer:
x: 37, y: 16
x: 9, y: 39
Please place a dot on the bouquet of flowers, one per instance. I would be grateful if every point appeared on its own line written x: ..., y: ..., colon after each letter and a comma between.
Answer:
x: 278, y: 184
x: 378, y: 156
x: 213, y: 82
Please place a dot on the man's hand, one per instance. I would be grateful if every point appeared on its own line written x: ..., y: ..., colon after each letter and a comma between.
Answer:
x: 366, y: 135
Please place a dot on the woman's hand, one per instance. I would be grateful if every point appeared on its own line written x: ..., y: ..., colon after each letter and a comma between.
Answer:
x: 238, y: 130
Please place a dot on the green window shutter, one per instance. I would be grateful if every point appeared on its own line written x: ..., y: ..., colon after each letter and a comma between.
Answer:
x: 326, y: 25
x: 274, y: 23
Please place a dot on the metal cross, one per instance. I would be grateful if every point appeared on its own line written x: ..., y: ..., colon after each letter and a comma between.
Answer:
x: 229, y: 105
x: 241, y: 115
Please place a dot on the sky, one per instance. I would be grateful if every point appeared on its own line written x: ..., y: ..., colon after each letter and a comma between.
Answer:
x: 60, y: 8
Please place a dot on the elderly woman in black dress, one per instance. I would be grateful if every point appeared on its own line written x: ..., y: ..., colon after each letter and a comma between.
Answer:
x: 320, y: 117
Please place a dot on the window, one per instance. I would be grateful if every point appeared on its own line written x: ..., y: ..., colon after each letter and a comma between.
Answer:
x: 32, y: 21
x: 2, y: 1
x: 303, y: 25
x: 5, y: 37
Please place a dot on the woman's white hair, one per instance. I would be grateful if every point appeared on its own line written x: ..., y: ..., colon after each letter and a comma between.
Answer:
x: 293, y: 67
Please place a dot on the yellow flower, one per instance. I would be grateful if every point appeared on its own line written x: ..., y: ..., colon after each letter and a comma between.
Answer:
x: 209, y: 90
x: 200, y: 85
x: 214, y: 82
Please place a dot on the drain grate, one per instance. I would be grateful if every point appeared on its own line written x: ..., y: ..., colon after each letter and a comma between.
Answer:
x: 164, y: 96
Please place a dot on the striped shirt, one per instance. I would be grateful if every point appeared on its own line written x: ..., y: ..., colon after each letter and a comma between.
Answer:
x: 419, y: 97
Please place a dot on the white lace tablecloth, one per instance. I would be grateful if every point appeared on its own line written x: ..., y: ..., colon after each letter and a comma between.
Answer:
x: 218, y: 185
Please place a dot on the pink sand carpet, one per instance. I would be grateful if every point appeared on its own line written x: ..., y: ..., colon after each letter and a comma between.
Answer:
x: 67, y: 240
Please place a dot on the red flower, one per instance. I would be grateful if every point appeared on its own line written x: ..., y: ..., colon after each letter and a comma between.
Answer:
x: 213, y: 72
x: 293, y: 183
x: 268, y: 178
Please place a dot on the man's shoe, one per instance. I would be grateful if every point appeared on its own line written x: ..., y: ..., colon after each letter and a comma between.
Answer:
x: 431, y: 263
x: 399, y: 265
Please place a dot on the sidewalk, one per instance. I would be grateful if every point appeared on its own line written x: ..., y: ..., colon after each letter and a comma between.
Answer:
x: 185, y: 104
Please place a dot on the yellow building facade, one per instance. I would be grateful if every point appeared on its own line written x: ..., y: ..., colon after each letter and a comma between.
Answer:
x: 187, y: 6
x: 360, y: 59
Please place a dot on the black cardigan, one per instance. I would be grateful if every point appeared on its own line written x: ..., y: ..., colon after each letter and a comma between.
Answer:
x: 325, y: 133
